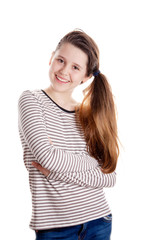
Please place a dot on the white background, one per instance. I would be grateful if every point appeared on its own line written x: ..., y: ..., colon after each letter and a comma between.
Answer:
x: 128, y: 36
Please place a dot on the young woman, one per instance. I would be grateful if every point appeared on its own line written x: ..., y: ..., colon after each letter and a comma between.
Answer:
x: 70, y: 149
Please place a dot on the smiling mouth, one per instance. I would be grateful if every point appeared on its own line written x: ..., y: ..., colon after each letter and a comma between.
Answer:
x: 62, y: 80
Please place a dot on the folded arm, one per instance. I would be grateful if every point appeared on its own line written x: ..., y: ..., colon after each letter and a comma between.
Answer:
x: 92, y: 178
x: 75, y: 168
x: 32, y: 127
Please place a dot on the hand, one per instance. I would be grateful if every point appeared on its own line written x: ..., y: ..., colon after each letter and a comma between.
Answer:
x: 50, y: 140
x: 44, y: 171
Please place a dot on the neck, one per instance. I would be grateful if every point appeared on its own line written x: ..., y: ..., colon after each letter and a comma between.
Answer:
x: 63, y: 99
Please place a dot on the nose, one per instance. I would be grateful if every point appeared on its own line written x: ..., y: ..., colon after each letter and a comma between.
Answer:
x: 64, y: 70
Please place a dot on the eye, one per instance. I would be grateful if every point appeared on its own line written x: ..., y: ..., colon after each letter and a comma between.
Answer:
x: 75, y: 67
x: 60, y: 60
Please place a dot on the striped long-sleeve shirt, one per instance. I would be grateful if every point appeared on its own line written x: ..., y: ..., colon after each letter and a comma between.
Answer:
x: 73, y: 192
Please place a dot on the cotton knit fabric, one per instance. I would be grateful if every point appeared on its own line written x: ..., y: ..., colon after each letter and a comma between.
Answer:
x: 73, y: 193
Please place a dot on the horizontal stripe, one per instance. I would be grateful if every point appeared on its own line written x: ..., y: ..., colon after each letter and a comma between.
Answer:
x: 73, y: 192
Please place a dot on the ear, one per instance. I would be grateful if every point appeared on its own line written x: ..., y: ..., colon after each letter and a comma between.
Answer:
x: 86, y: 79
x: 51, y: 58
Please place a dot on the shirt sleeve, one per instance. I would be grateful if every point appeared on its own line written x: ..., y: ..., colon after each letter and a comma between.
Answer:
x: 32, y: 127
x: 94, y: 178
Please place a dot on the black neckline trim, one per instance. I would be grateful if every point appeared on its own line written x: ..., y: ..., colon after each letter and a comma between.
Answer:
x: 57, y: 104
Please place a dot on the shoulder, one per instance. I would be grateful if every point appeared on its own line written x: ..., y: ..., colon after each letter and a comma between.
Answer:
x: 29, y: 97
x: 30, y: 94
x: 26, y: 93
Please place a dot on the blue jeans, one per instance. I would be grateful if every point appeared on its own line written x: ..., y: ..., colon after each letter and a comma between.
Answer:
x: 99, y: 229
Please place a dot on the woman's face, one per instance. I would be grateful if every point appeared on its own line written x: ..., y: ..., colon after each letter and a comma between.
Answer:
x: 68, y: 67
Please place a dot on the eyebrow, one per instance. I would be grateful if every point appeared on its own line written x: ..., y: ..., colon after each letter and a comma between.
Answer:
x: 73, y: 62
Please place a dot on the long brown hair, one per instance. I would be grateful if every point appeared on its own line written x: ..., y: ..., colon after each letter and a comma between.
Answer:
x: 97, y: 111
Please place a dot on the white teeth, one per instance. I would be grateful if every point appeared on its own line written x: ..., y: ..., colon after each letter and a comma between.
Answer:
x: 62, y: 80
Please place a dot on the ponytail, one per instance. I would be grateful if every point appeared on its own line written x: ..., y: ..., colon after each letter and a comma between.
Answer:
x: 97, y: 112
x: 98, y: 119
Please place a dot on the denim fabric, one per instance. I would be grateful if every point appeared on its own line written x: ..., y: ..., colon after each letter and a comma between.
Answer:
x: 99, y: 229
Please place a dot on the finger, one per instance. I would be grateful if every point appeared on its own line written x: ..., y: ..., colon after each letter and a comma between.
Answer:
x: 36, y: 165
x: 41, y: 169
x: 50, y: 140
